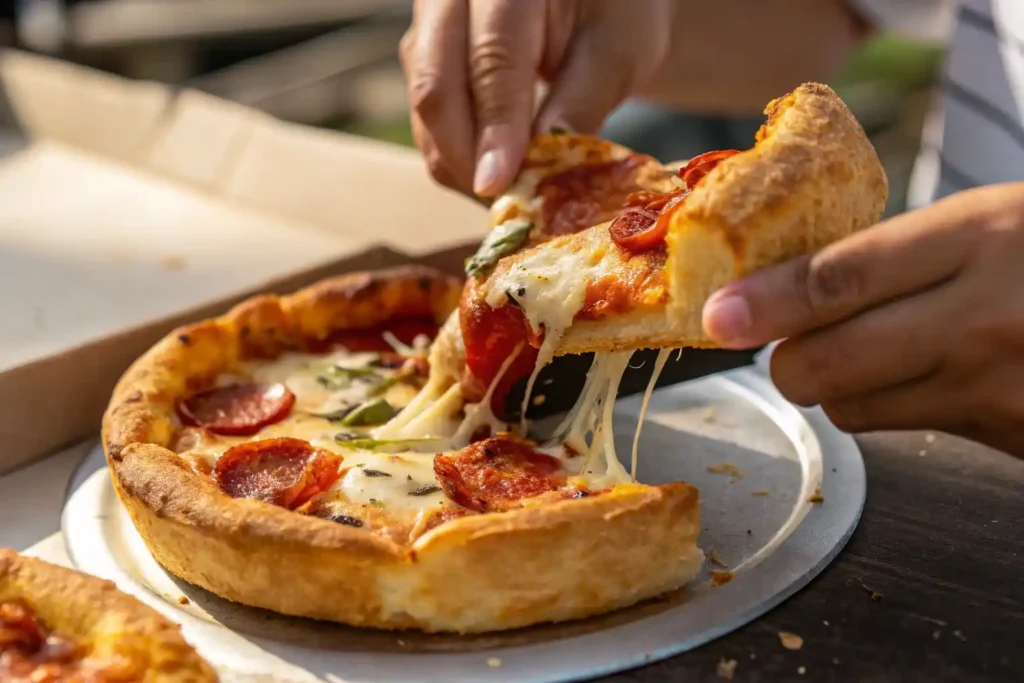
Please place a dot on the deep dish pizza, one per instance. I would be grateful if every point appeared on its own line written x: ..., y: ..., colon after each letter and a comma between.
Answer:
x: 61, y: 626
x: 338, y: 453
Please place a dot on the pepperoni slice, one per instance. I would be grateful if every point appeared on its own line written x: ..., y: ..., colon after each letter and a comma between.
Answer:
x: 700, y: 166
x: 286, y: 472
x: 19, y: 627
x: 490, y: 336
x: 638, y: 229
x: 239, y: 409
x: 496, y: 474
x: 443, y: 515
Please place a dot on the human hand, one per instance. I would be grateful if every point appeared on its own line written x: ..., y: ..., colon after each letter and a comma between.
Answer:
x: 472, y: 65
x: 915, y: 323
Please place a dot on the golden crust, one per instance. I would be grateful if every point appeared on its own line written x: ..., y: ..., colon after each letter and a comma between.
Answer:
x: 811, y: 179
x: 108, y: 623
x: 564, y: 560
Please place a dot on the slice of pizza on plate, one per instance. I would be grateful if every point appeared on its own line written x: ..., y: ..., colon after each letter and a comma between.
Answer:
x: 58, y: 625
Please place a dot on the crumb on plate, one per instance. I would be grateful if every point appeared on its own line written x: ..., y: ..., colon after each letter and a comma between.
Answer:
x: 726, y: 468
x: 713, y: 557
x: 720, y: 577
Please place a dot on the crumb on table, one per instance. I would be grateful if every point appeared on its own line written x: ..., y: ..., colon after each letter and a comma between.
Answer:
x: 726, y: 668
x: 790, y: 641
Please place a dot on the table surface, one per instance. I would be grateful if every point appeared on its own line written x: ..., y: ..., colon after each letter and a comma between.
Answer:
x: 930, y: 587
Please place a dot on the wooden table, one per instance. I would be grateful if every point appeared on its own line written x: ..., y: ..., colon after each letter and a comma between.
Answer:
x: 930, y: 587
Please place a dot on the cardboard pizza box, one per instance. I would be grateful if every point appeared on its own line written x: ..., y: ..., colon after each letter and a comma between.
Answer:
x: 134, y: 208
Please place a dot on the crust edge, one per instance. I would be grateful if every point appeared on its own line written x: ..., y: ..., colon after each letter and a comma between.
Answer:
x: 93, y: 611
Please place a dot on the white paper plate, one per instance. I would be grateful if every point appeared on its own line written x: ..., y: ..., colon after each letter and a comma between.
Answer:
x: 760, y: 524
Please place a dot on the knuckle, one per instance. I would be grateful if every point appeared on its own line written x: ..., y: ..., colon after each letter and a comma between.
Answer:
x: 437, y: 168
x: 490, y: 58
x: 831, y: 284
x: 490, y: 65
x: 426, y: 91
x: 847, y: 416
x: 405, y: 46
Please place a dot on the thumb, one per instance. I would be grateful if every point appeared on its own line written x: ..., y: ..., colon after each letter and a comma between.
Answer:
x: 505, y: 48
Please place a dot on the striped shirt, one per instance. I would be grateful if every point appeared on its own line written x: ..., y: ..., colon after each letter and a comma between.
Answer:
x: 975, y: 135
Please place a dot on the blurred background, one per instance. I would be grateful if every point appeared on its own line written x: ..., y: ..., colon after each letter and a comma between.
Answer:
x: 333, y: 64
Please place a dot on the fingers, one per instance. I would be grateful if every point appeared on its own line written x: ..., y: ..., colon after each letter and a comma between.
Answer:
x: 433, y: 56
x: 919, y: 404
x: 603, y: 65
x: 905, y: 254
x: 893, y: 344
x: 506, y: 45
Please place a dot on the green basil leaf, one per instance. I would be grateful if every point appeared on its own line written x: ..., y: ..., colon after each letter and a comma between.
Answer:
x: 335, y: 415
x: 366, y: 443
x: 337, y: 377
x: 500, y: 242
x: 376, y: 411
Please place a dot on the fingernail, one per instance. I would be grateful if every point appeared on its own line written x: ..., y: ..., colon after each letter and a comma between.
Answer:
x: 488, y: 172
x: 727, y: 319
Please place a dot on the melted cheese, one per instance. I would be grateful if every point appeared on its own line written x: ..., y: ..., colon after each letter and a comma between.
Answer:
x: 659, y: 365
x: 479, y: 414
x: 395, y: 471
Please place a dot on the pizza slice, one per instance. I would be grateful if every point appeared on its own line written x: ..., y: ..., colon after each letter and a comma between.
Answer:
x: 651, y: 246
x: 59, y: 625
x: 597, y: 248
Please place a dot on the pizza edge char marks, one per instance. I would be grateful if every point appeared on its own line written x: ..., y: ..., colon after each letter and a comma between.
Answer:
x: 58, y: 624
x: 638, y: 227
